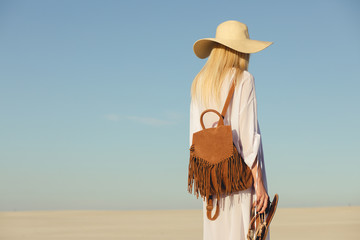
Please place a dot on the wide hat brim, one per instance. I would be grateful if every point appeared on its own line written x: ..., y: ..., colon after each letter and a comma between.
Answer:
x: 203, y: 47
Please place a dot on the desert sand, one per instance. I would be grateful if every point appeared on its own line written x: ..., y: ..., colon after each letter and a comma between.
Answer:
x: 288, y: 223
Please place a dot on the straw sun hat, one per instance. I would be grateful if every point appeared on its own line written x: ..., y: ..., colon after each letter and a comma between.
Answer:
x: 232, y: 34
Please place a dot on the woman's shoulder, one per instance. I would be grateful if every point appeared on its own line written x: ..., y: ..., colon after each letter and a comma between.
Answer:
x: 246, y: 77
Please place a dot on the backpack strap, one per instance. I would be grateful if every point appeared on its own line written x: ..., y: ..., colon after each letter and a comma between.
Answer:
x: 228, y: 99
x: 209, y: 209
x: 223, y: 112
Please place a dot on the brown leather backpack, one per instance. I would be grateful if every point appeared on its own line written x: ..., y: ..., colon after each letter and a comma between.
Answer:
x: 215, y: 165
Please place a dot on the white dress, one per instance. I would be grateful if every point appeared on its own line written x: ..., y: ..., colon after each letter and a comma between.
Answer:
x: 234, y: 217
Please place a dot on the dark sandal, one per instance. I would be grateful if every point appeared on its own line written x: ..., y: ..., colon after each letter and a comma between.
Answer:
x: 262, y: 223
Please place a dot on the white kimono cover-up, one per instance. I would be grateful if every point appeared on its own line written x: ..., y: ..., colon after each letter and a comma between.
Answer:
x: 234, y: 217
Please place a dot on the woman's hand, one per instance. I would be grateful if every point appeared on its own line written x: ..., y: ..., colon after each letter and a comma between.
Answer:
x: 262, y: 198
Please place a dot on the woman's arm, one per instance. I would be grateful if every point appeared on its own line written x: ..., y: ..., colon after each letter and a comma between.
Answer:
x: 250, y: 139
x: 262, y: 197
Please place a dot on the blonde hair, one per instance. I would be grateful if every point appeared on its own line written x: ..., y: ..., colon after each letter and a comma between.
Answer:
x: 207, y: 84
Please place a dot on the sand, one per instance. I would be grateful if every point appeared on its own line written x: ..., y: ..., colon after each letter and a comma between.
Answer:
x: 289, y: 223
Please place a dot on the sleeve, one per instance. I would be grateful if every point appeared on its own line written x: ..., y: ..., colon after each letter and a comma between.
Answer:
x: 194, y: 119
x: 192, y: 124
x: 248, y: 128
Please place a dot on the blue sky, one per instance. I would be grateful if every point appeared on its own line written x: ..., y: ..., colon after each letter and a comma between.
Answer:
x: 94, y: 100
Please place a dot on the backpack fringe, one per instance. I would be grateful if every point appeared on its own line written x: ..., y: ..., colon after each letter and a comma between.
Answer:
x: 227, y: 176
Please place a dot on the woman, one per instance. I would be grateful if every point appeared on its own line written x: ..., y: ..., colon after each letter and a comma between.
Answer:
x: 228, y: 61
